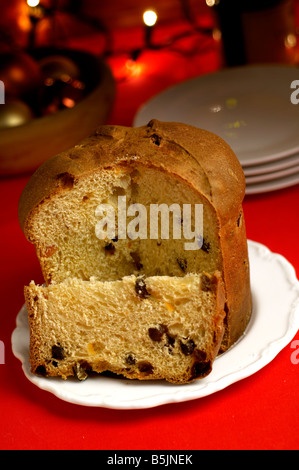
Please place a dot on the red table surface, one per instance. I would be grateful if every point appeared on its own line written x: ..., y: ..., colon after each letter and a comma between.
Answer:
x: 259, y: 412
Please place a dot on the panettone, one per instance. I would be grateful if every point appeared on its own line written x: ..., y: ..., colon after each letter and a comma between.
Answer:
x: 158, y: 164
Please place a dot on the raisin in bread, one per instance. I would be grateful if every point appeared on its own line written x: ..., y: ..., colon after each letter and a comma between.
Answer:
x: 161, y: 163
x: 153, y: 328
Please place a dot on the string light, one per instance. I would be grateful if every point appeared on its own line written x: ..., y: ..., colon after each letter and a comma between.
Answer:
x: 33, y: 3
x: 36, y: 13
x: 290, y: 41
x: 150, y: 18
x: 212, y: 3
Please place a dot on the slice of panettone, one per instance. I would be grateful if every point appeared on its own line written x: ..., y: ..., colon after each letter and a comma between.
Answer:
x: 141, y: 328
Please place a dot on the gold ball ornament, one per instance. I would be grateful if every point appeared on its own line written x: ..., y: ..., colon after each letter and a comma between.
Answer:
x: 20, y: 74
x: 14, y: 113
x: 59, y: 67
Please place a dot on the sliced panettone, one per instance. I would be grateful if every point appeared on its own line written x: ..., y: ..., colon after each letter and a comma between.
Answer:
x: 141, y: 328
x: 161, y: 164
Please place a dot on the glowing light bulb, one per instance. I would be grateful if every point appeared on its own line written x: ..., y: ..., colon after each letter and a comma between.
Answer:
x: 290, y: 41
x: 33, y: 3
x: 212, y: 3
x: 150, y: 17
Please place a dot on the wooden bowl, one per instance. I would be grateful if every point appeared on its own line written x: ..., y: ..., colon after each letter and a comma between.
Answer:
x: 26, y: 147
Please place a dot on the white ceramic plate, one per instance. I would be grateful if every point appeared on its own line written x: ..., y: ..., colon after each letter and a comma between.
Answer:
x: 274, y: 323
x: 273, y: 176
x: 277, y: 165
x: 250, y: 107
x: 272, y: 185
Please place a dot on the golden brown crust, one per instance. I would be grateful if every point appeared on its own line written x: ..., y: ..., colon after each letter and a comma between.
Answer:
x: 182, y: 150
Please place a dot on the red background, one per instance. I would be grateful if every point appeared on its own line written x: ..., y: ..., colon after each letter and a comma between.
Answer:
x: 260, y: 412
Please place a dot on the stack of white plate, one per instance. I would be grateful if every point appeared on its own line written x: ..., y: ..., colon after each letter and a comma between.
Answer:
x: 253, y: 108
